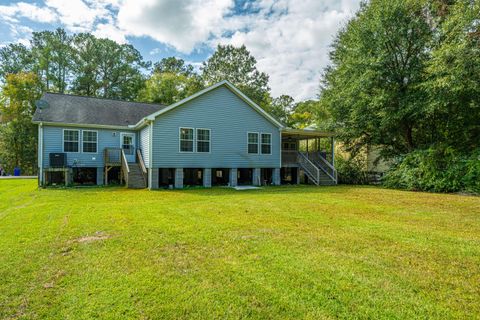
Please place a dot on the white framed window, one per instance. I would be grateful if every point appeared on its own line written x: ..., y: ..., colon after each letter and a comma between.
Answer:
x: 71, y: 140
x: 252, y: 146
x: 266, y: 143
x: 89, y: 141
x: 203, y: 140
x: 186, y: 139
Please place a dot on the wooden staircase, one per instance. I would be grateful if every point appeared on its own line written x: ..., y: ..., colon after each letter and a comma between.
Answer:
x: 136, y: 178
x: 134, y: 174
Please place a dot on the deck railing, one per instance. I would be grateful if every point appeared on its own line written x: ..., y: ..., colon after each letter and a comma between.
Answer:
x: 112, y: 156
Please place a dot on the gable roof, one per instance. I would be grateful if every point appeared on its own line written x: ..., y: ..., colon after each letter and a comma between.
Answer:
x: 213, y: 87
x: 80, y: 110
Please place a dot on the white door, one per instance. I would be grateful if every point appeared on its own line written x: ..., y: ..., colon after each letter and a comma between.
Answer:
x: 127, y: 143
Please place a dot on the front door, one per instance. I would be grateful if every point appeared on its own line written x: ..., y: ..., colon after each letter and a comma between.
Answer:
x: 127, y: 143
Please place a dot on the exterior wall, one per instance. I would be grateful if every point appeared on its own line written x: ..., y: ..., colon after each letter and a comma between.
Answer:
x: 229, y: 118
x: 53, y: 142
x: 144, y: 145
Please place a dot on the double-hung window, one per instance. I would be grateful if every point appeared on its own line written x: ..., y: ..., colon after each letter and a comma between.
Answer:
x: 203, y: 140
x: 89, y: 141
x: 186, y: 140
x: 266, y: 143
x: 71, y: 140
x: 252, y: 142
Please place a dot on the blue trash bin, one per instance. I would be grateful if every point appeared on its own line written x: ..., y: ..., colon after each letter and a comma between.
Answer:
x: 16, y: 171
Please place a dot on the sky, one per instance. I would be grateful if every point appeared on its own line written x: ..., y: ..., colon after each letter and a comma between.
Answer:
x: 289, y: 38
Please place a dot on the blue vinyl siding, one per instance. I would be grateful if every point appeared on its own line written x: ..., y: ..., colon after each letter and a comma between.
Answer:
x: 53, y: 142
x: 229, y: 118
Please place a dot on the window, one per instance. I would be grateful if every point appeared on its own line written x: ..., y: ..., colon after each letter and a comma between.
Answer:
x: 252, y: 142
x: 70, y: 140
x: 186, y: 140
x: 89, y: 140
x: 203, y: 140
x: 266, y: 143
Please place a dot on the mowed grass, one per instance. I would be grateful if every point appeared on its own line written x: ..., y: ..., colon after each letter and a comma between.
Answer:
x: 282, y: 252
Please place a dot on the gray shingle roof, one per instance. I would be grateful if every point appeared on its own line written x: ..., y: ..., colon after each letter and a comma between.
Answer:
x: 66, y: 108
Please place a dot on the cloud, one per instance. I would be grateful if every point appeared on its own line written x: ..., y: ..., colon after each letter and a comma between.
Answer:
x: 26, y: 10
x: 182, y: 24
x: 110, y: 31
x: 291, y: 41
x: 76, y: 15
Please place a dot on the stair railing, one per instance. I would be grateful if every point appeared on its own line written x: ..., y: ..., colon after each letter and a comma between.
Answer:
x: 310, y: 168
x: 125, y: 168
x: 326, y: 167
x: 142, y: 165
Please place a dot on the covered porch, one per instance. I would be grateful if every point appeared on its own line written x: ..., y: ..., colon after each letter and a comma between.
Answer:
x: 310, y: 153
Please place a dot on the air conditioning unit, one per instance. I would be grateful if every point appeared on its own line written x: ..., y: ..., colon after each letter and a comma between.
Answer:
x: 58, y: 160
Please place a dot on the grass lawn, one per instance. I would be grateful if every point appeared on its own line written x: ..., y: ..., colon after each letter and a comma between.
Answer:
x: 277, y: 253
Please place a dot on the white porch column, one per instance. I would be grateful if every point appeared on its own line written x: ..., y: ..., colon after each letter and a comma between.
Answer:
x: 333, y: 151
x: 276, y: 176
x: 207, y: 177
x: 153, y: 178
x: 178, y: 178
x: 233, y: 177
x: 256, y: 177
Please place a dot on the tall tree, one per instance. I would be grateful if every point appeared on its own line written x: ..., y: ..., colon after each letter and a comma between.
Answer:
x: 15, y: 58
x: 454, y: 78
x: 107, y: 69
x: 173, y: 65
x: 238, y: 66
x: 18, y: 136
x: 373, y: 89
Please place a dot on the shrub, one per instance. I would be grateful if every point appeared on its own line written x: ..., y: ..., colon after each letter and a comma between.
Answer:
x: 351, y: 171
x: 437, y: 170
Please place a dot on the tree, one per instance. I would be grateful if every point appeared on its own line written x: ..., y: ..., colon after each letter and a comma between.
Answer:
x: 15, y: 58
x: 167, y: 87
x: 282, y: 108
x: 454, y: 78
x: 239, y: 67
x: 106, y: 69
x: 18, y: 136
x: 173, y: 65
x: 373, y: 89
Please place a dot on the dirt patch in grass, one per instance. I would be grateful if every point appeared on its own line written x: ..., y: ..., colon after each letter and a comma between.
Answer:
x: 97, y: 236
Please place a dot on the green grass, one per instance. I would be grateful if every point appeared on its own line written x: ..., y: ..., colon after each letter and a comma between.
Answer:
x: 278, y: 253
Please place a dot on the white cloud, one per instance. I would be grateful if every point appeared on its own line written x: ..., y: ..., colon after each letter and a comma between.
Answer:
x: 182, y: 24
x: 76, y: 15
x: 291, y: 41
x: 27, y: 10
x: 110, y: 31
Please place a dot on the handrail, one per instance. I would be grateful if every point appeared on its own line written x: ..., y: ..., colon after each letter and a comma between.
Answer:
x: 112, y: 155
x: 142, y: 165
x: 125, y: 168
x: 309, y: 167
x: 140, y: 161
x: 333, y: 174
x: 330, y: 170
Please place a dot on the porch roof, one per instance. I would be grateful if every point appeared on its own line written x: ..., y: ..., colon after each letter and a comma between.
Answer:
x: 302, y: 134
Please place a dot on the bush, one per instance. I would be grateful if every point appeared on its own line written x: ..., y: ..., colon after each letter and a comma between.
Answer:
x: 351, y: 171
x: 437, y: 170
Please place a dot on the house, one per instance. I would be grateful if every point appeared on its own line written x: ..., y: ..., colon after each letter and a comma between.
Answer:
x: 217, y: 136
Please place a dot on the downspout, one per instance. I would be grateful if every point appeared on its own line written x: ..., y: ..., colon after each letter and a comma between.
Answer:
x: 150, y: 153
x: 40, y: 154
